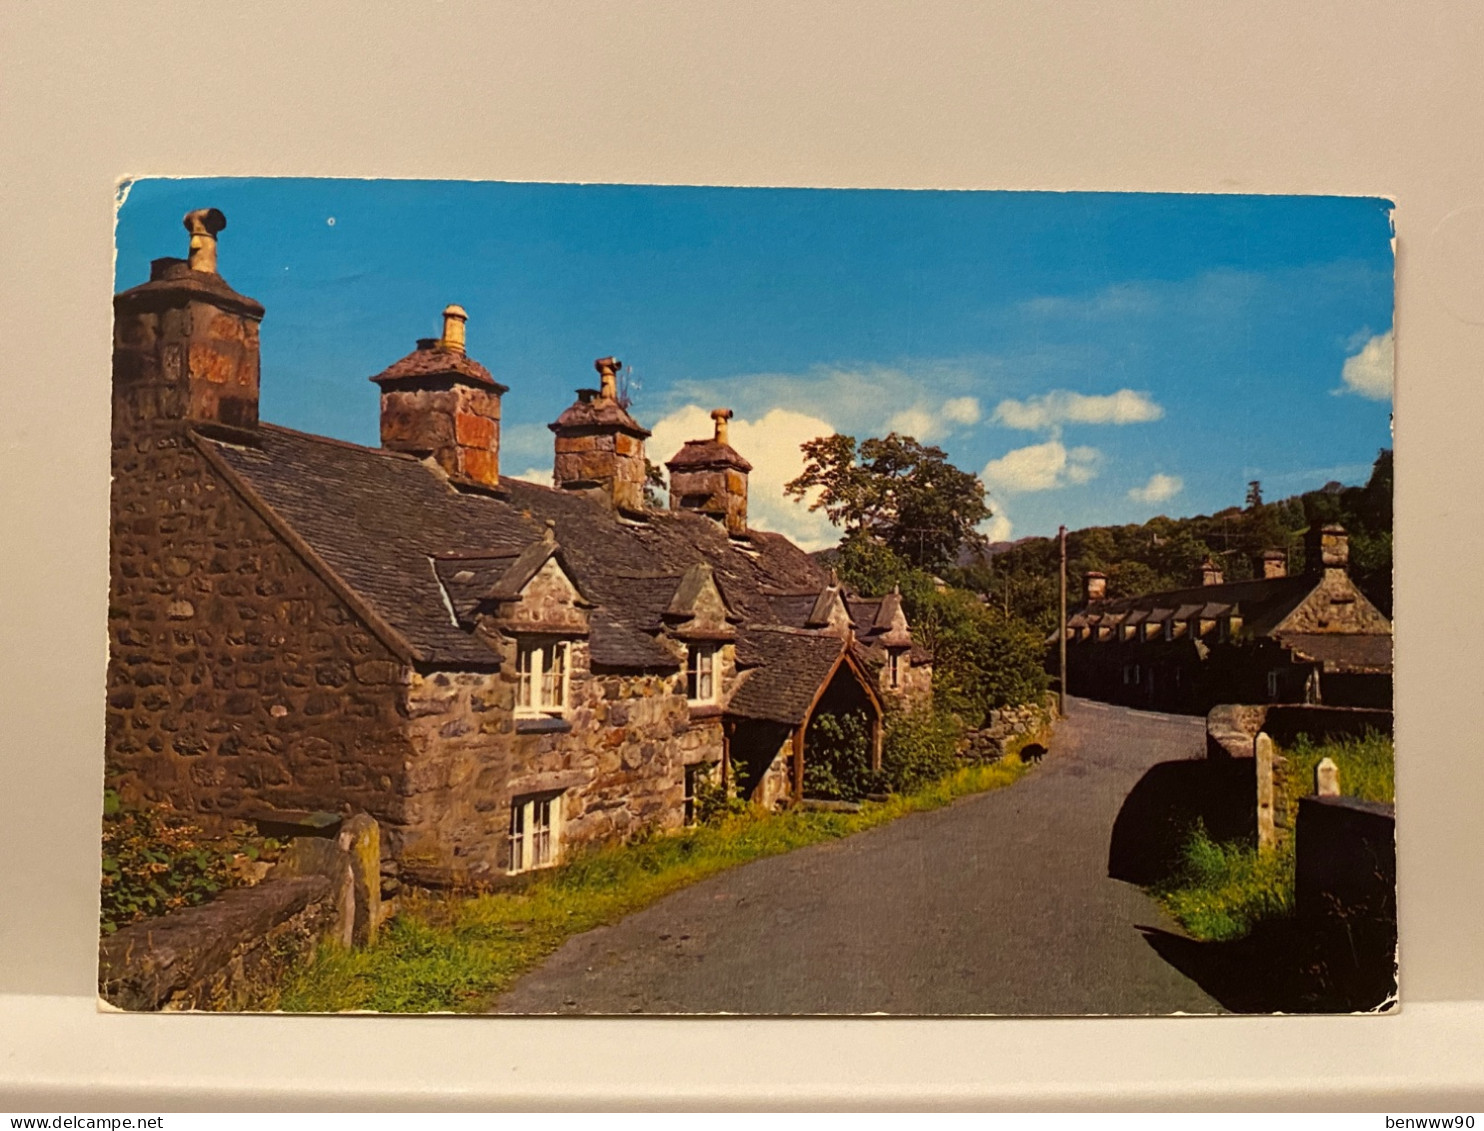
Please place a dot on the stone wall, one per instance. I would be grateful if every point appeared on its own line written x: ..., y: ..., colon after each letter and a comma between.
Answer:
x: 617, y: 757
x: 1231, y: 728
x: 223, y: 955
x: 1345, y: 859
x: 237, y: 678
x: 231, y: 953
x: 1006, y: 726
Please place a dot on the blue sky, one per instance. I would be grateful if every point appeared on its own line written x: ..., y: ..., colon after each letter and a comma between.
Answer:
x: 1095, y: 357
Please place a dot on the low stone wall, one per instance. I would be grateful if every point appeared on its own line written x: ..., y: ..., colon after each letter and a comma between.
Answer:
x: 1345, y: 859
x: 229, y: 953
x: 220, y: 956
x: 1232, y: 728
x: 1005, y: 726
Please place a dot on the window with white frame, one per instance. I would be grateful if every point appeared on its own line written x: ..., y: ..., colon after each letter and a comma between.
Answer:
x: 541, y: 677
x: 1275, y: 680
x: 894, y: 669
x: 535, y: 831
x: 701, y: 683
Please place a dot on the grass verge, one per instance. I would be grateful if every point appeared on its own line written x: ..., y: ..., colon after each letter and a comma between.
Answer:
x: 457, y: 953
x: 1219, y: 891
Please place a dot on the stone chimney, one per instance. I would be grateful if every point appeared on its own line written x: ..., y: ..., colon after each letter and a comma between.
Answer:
x: 1094, y: 586
x: 710, y: 477
x: 599, y: 446
x: 185, y: 344
x: 438, y: 403
x: 1274, y: 563
x: 1211, y: 572
x: 1326, y: 547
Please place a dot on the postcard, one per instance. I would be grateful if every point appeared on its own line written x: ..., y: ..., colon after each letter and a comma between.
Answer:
x: 625, y: 599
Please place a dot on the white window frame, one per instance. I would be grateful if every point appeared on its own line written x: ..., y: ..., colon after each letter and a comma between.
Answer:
x: 894, y: 657
x: 535, y: 838
x: 694, y: 655
x: 1274, y: 678
x: 534, y: 658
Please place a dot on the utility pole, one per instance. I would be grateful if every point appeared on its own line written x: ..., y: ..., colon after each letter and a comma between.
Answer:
x: 1061, y: 695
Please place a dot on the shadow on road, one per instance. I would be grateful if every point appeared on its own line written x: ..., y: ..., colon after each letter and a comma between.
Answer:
x: 1290, y: 966
x: 1166, y: 803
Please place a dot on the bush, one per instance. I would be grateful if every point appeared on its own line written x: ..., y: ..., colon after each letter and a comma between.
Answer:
x: 155, y: 861
x: 714, y: 801
x: 982, y: 659
x: 920, y: 746
x: 838, y: 764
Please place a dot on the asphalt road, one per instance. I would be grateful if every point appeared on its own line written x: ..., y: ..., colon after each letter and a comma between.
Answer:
x: 998, y: 904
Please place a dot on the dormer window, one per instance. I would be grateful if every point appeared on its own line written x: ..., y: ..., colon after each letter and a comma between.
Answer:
x: 701, y: 684
x: 541, y: 677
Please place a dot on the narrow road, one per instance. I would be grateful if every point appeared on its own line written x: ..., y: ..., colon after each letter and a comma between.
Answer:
x: 999, y: 903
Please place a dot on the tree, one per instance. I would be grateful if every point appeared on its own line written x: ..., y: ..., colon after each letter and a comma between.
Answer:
x: 900, y: 493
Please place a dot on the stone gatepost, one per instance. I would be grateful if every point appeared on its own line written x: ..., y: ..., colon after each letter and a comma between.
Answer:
x: 360, y: 836
x: 1272, y: 809
x: 1327, y: 778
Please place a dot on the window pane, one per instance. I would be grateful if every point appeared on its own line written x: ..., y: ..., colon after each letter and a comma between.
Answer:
x: 523, y: 664
x: 517, y: 836
x: 558, y: 669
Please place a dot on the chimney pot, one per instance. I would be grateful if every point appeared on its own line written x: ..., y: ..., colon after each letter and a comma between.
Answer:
x: 1095, y: 585
x: 608, y: 368
x: 203, y: 224
x: 454, y: 319
x: 721, y: 416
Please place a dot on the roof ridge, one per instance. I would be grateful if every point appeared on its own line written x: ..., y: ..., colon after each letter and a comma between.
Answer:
x: 335, y: 442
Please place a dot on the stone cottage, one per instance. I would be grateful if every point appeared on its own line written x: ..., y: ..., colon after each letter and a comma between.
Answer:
x: 495, y: 670
x: 1310, y: 638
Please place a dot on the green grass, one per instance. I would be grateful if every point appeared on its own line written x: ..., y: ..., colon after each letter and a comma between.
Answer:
x: 1220, y: 891
x: 457, y: 953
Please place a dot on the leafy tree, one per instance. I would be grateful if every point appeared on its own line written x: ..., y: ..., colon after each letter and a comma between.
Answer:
x: 982, y: 659
x: 903, y: 494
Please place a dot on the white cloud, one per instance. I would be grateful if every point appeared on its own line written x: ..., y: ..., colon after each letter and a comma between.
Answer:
x: 862, y: 399
x: 998, y: 527
x: 1159, y: 488
x: 1369, y: 371
x: 961, y: 410
x: 770, y: 442
x: 538, y: 475
x: 916, y: 422
x: 1061, y: 406
x: 927, y: 424
x: 1041, y: 467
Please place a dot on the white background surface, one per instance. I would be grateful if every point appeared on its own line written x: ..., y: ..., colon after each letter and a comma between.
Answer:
x: 1364, y: 98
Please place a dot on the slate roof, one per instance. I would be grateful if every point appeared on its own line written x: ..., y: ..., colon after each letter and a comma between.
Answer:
x: 797, y: 664
x: 593, y: 411
x: 1342, y: 653
x: 708, y: 453
x: 1261, y: 602
x: 432, y: 360
x: 420, y: 553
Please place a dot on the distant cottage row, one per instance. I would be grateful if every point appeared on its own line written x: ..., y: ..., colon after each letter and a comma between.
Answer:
x: 1309, y: 638
x: 493, y: 669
